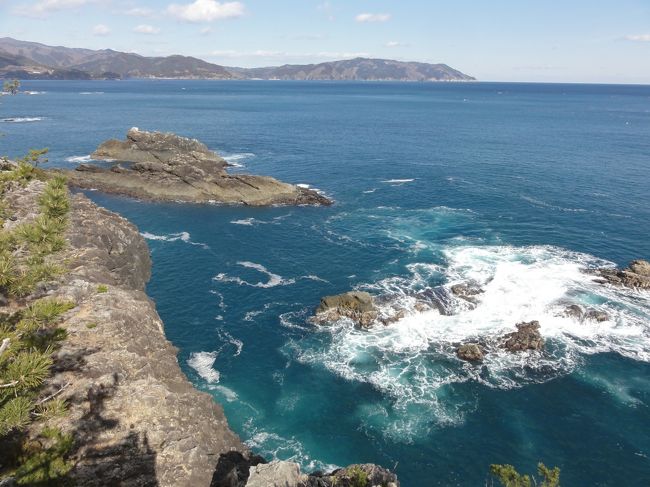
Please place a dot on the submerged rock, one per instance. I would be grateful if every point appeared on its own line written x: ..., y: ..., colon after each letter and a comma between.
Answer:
x: 636, y: 275
x: 574, y: 311
x: 527, y: 337
x: 472, y: 352
x: 167, y: 167
x: 358, y: 306
x: 467, y: 291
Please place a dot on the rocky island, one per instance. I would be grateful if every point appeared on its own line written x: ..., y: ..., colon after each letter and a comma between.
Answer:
x: 166, y: 167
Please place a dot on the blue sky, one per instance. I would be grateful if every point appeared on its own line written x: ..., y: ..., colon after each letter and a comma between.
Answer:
x: 572, y: 41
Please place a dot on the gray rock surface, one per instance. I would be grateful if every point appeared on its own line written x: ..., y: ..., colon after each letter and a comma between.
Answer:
x: 276, y: 474
x: 527, y: 337
x: 167, y: 167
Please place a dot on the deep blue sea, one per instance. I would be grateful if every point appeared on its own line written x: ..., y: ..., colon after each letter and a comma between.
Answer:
x: 516, y: 186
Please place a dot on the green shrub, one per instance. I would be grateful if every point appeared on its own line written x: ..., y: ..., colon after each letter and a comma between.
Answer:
x: 508, y: 476
x: 46, y: 466
x: 358, y: 477
x: 102, y: 288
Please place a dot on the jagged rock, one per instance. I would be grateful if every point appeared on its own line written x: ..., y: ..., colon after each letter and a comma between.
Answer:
x: 287, y: 474
x: 234, y: 468
x: 358, y: 306
x: 167, y: 167
x: 467, y: 291
x: 472, y: 352
x: 377, y: 476
x: 527, y: 337
x: 636, y: 275
x: 574, y: 311
x: 596, y: 315
x: 438, y: 298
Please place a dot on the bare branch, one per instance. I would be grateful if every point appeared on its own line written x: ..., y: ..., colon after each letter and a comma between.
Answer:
x: 5, y: 345
x: 52, y: 396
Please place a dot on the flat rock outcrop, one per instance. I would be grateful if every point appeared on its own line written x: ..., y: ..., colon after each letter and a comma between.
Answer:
x: 358, y: 306
x: 166, y: 167
x: 636, y: 275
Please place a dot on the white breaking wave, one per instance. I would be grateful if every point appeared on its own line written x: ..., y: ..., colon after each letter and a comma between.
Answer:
x: 412, y: 361
x: 236, y: 160
x: 21, y: 119
x: 203, y: 363
x: 173, y: 237
x: 398, y: 181
x: 91, y: 93
x: 276, y: 447
x: 34, y: 92
x: 273, y: 279
x: 79, y: 159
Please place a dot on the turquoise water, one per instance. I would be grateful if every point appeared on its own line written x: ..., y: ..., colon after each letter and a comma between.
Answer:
x: 518, y: 186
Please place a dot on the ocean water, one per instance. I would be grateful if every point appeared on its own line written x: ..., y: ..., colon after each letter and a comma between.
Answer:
x: 517, y: 186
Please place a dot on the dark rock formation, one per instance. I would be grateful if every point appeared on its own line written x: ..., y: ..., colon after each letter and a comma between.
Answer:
x: 356, y: 305
x: 472, y: 352
x: 527, y: 337
x: 467, y: 291
x: 574, y: 311
x: 233, y: 469
x: 287, y: 474
x: 636, y: 275
x: 166, y: 167
x: 596, y: 315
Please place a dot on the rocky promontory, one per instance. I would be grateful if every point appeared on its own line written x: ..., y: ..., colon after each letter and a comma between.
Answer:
x: 636, y: 275
x: 132, y: 417
x: 166, y: 167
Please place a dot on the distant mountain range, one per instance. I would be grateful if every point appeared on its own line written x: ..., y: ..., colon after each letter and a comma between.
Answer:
x: 31, y: 60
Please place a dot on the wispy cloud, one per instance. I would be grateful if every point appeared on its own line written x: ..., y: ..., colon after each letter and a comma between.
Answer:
x: 206, y: 11
x: 638, y: 37
x: 368, y: 18
x: 327, y: 10
x: 146, y: 29
x: 139, y: 12
x: 396, y: 44
x: 45, y: 7
x: 101, y: 30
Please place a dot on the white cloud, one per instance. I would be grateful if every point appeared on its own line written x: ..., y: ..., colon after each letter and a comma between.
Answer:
x: 139, y: 12
x: 44, y: 7
x: 366, y: 17
x: 396, y: 44
x: 206, y: 10
x: 101, y: 30
x: 146, y: 29
x: 638, y: 37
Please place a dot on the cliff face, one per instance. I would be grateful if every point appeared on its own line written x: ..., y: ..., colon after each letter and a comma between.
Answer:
x: 135, y: 417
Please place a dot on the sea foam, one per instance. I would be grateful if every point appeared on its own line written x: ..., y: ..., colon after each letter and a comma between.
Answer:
x: 203, y: 363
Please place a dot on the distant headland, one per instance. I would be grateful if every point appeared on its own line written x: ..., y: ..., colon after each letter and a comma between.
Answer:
x: 31, y: 60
